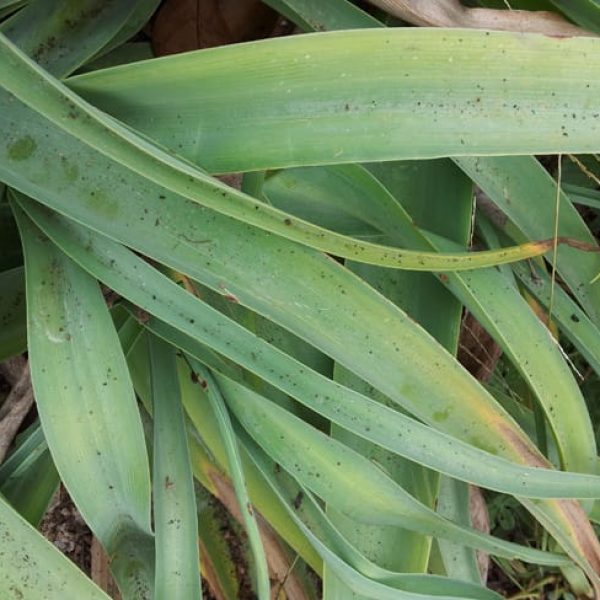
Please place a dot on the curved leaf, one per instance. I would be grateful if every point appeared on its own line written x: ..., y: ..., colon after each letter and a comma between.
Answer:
x: 32, y: 568
x: 126, y: 273
x: 361, y: 575
x: 357, y: 96
x: 23, y: 78
x: 350, y: 482
x: 86, y: 404
x: 237, y: 476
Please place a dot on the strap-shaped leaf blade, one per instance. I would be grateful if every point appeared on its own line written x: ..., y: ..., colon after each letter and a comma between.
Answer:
x: 39, y: 90
x: 32, y: 568
x: 86, y: 404
x: 486, y: 293
x: 200, y: 323
x: 348, y: 481
x: 175, y: 514
x: 237, y: 475
x: 363, y: 576
x: 356, y: 96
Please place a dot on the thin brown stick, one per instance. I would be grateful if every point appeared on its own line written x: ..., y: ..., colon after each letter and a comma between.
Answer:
x: 14, y: 410
x: 12, y: 368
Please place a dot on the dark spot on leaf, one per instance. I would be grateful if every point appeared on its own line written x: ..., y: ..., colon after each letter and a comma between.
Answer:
x: 298, y: 500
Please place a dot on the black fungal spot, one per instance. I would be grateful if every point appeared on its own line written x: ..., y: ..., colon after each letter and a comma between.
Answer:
x: 298, y: 500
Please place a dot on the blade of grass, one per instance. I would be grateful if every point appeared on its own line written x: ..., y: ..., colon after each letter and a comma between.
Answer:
x: 175, y: 513
x: 237, y: 476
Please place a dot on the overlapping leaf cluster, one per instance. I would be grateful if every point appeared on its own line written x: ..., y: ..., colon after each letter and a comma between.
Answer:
x: 292, y: 345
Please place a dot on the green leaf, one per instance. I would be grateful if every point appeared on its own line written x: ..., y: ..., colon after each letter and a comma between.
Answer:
x: 237, y: 475
x: 584, y: 12
x: 313, y: 15
x: 573, y: 321
x: 362, y: 576
x: 7, y: 7
x: 208, y: 454
x: 175, y: 514
x: 459, y: 562
x: 425, y: 300
x: 356, y: 96
x: 530, y: 346
x: 62, y: 35
x: 487, y: 294
x: 86, y: 404
x: 28, y: 477
x: 526, y: 193
x: 582, y: 195
x: 39, y: 90
x: 258, y: 296
x: 139, y: 15
x: 32, y: 568
x: 125, y: 272
x: 350, y: 482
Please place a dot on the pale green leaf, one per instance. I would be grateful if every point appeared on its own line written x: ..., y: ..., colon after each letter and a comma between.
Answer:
x: 175, y: 514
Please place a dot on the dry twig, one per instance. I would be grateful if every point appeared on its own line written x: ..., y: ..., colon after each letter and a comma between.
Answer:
x: 14, y: 410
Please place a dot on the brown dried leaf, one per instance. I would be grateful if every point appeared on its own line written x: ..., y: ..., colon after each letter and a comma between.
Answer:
x: 451, y: 13
x: 100, y: 570
x: 478, y: 352
x: 184, y: 25
x: 480, y: 519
